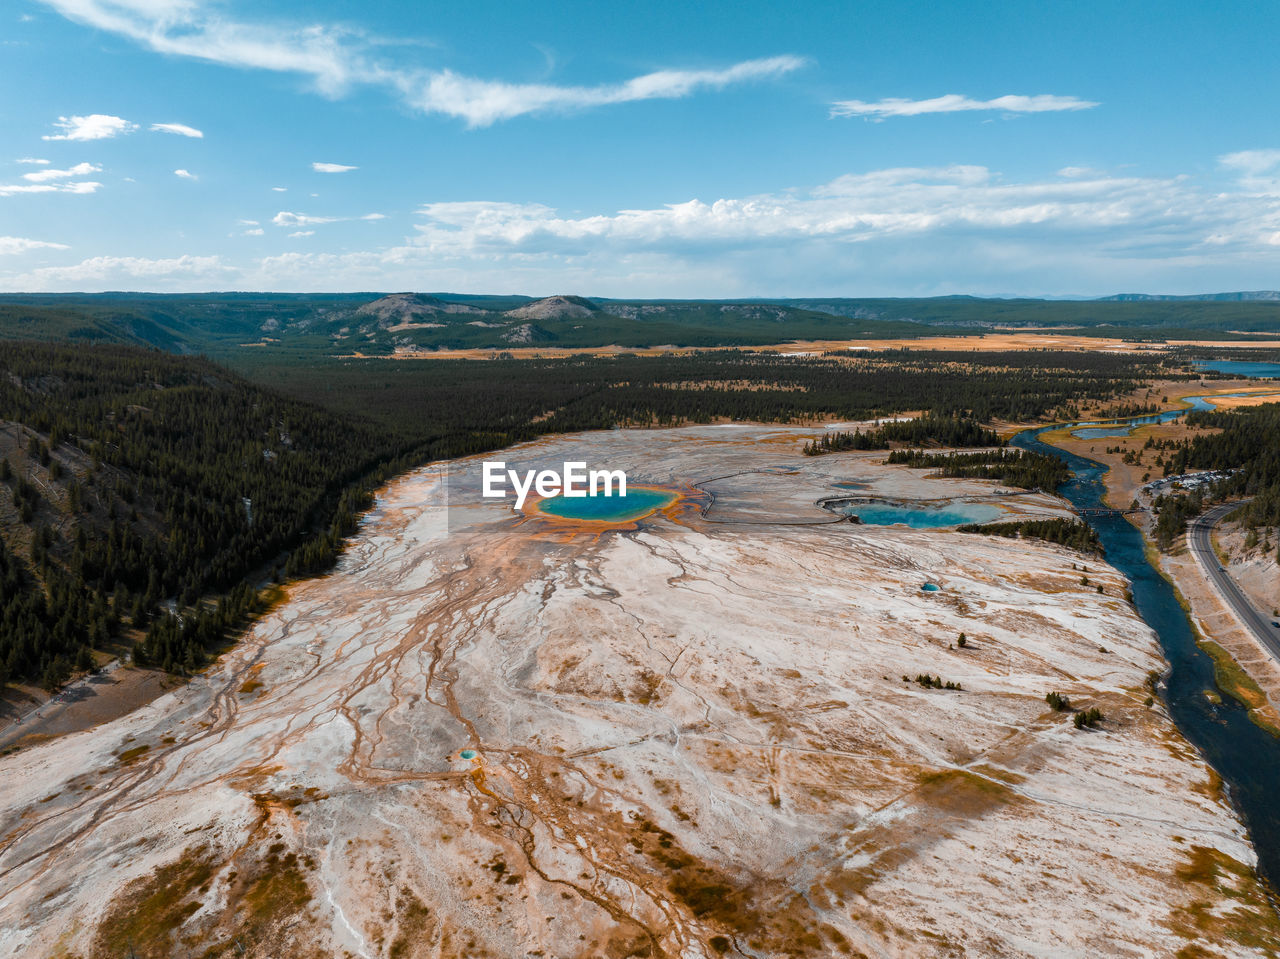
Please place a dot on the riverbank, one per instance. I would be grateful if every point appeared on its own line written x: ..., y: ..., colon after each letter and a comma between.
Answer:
x: 1245, y: 669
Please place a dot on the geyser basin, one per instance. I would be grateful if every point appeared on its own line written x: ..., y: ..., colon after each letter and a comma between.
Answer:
x: 919, y: 515
x: 639, y: 501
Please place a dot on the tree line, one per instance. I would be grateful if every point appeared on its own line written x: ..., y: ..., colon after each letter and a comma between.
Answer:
x: 1065, y: 532
x: 927, y: 429
x: 1020, y: 468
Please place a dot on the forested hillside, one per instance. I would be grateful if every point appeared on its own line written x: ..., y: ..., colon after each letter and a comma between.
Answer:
x: 1246, y: 445
x: 130, y: 480
x: 1249, y: 441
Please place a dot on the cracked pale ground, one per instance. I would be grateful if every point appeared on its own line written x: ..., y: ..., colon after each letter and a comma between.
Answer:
x: 692, y: 738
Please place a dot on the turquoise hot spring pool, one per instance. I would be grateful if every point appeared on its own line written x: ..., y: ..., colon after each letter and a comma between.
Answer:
x: 638, y: 501
x: 921, y: 515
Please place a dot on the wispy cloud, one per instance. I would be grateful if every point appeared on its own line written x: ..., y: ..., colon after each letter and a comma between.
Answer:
x: 337, y: 58
x: 1257, y: 171
x: 483, y: 102
x: 332, y: 167
x: 180, y: 272
x: 1123, y: 214
x: 74, y: 186
x: 181, y: 129
x: 43, y: 176
x: 185, y: 174
x: 286, y: 218
x: 95, y: 126
x: 33, y: 161
x: 898, y: 231
x: 279, y: 189
x: 255, y: 231
x: 12, y: 245
x: 1251, y: 161
x: 954, y: 103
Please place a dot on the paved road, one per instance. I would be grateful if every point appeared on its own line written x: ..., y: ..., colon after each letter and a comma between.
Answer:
x: 1255, y: 620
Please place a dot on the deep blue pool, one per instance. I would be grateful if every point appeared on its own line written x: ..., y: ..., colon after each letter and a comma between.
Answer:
x: 920, y: 515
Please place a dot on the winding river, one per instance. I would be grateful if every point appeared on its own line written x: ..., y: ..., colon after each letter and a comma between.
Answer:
x: 1246, y: 756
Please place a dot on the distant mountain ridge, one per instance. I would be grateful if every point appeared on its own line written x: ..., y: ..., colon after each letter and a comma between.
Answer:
x: 1251, y: 296
x: 406, y: 323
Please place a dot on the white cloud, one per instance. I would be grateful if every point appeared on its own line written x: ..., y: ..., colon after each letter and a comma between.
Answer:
x: 900, y: 231
x: 1073, y: 172
x: 285, y: 218
x: 10, y: 245
x: 337, y: 58
x: 247, y: 222
x: 332, y: 167
x: 95, y: 126
x: 185, y: 174
x: 852, y: 208
x: 125, y: 272
x: 1251, y: 161
x: 954, y: 103
x: 181, y: 129
x: 256, y: 231
x: 74, y: 186
x: 1258, y: 170
x: 34, y: 161
x: 482, y: 102
x: 80, y: 169
x: 280, y: 189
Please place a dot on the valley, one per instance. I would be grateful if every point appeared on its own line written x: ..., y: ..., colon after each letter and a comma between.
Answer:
x: 486, y: 732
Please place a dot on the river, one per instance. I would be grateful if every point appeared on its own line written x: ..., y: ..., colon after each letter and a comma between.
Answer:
x: 1246, y: 756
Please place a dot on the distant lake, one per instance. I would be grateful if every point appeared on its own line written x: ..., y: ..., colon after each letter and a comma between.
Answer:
x: 639, y: 501
x: 1266, y: 371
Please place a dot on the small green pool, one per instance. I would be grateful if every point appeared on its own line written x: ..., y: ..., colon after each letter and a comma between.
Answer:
x: 639, y: 501
x: 468, y: 754
x: 931, y: 587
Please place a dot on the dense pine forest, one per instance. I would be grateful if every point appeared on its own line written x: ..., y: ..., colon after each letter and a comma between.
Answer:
x: 932, y: 429
x: 140, y: 481
x: 146, y: 495
x: 1065, y: 532
x: 524, y: 398
x: 1244, y: 443
x: 1020, y: 468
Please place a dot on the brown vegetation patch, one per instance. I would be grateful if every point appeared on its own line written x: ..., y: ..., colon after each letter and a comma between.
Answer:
x: 944, y: 801
x: 1229, y: 904
x: 128, y: 757
x: 413, y: 927
x: 263, y: 909
x: 766, y: 913
x: 148, y: 911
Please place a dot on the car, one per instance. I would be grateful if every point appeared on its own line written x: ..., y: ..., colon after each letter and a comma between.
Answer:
x: 1275, y: 623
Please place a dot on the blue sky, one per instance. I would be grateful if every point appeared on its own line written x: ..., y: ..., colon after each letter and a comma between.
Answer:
x: 663, y: 149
